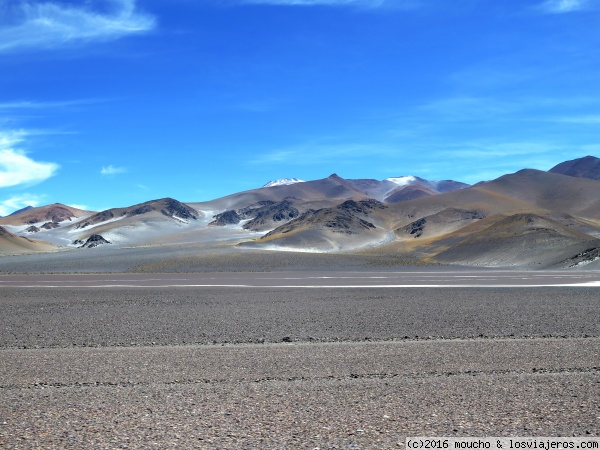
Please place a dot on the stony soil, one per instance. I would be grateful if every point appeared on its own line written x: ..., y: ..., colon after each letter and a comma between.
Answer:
x: 298, y: 368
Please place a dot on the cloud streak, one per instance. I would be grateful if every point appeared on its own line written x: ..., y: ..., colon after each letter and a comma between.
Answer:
x: 403, y: 4
x: 112, y: 170
x: 49, y: 25
x: 16, y: 168
x: 33, y: 105
x: 563, y: 6
x: 12, y: 204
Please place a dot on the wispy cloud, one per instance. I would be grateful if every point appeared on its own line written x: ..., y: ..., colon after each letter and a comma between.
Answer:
x: 32, y: 105
x: 12, y: 204
x: 53, y: 24
x: 322, y: 153
x: 401, y: 4
x: 112, y: 170
x: 16, y: 168
x: 581, y: 120
x: 564, y: 6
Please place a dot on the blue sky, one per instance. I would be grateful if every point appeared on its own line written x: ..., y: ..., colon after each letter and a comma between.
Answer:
x: 107, y: 103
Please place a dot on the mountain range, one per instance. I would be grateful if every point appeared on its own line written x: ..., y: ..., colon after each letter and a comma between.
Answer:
x: 530, y: 218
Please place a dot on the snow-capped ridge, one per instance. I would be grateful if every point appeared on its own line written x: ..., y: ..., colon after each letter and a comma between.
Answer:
x: 283, y: 182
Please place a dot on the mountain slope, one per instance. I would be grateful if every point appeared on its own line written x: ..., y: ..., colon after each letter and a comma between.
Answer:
x: 519, y: 240
x: 12, y: 244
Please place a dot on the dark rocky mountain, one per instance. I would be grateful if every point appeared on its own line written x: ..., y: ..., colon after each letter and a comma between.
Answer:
x: 229, y: 217
x: 94, y: 240
x: 269, y: 216
x: 350, y: 217
x: 262, y: 215
x: 586, y: 167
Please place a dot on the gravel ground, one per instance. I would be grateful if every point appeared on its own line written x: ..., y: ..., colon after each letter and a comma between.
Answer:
x: 296, y: 368
x: 61, y: 317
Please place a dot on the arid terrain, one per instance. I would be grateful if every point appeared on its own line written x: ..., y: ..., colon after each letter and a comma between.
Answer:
x: 296, y: 359
x: 322, y: 314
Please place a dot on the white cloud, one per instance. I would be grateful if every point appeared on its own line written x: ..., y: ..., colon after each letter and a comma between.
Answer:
x: 112, y: 170
x: 12, y: 204
x: 52, y: 24
x: 16, y: 168
x: 564, y: 6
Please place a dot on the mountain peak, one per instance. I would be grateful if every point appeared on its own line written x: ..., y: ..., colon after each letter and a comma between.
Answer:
x: 586, y: 167
x: 27, y: 208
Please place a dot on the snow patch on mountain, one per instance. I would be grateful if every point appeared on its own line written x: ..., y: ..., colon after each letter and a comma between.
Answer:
x: 283, y: 182
x: 404, y: 181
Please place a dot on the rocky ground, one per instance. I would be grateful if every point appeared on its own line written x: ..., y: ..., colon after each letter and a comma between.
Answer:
x: 294, y: 368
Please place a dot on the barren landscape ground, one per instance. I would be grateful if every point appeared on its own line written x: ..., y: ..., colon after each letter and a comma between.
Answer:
x: 296, y: 359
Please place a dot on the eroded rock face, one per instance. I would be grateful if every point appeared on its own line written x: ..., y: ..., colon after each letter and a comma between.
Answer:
x: 50, y: 225
x: 97, y: 218
x: 230, y: 217
x: 174, y: 208
x: 94, y: 241
x: 417, y: 227
x: 32, y: 229
x: 270, y: 214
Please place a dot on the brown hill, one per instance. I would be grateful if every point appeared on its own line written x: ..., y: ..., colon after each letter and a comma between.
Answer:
x: 523, y: 239
x: 444, y: 222
x: 11, y: 244
x: 410, y: 192
x: 55, y: 213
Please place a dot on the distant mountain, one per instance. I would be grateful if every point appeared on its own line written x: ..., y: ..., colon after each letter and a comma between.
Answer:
x: 439, y: 186
x: 528, y: 218
x: 586, y: 167
x: 283, y: 182
x: 55, y: 213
